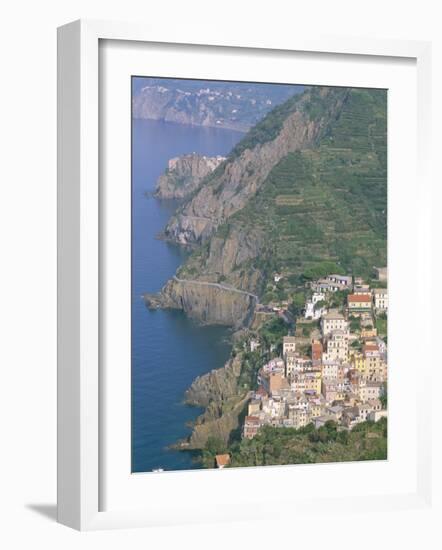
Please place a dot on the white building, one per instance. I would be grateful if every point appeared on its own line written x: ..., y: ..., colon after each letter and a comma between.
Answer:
x: 288, y: 345
x: 333, y: 321
x: 380, y: 296
x: 337, y: 346
x: 330, y: 369
x: 313, y: 312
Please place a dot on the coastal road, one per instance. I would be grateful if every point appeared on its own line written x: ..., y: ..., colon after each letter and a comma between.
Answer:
x: 217, y: 285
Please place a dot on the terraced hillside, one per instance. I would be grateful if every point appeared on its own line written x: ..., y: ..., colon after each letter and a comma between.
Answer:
x: 329, y: 203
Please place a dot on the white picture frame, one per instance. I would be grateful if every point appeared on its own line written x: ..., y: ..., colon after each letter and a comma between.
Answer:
x: 79, y: 268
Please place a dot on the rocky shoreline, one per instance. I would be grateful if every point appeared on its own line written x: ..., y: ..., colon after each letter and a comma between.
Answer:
x: 218, y: 392
x: 206, y: 302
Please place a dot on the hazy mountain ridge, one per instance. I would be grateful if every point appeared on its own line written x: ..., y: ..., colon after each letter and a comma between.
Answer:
x: 236, y: 106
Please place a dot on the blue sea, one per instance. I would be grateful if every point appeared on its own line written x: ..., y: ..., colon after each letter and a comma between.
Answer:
x: 168, y: 350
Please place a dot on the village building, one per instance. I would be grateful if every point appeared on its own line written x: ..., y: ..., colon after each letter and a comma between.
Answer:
x: 358, y: 303
x: 307, y: 381
x: 344, y: 280
x: 335, y: 412
x: 361, y: 289
x: 358, y: 362
x: 332, y: 283
x: 375, y: 365
x: 254, y: 407
x: 364, y: 409
x: 330, y: 369
x: 368, y: 332
x: 375, y: 416
x: 296, y: 363
x: 261, y: 393
x: 222, y: 461
x: 288, y: 345
x: 350, y: 417
x: 254, y: 344
x: 298, y: 416
x: 380, y: 296
x: 251, y: 426
x: 333, y: 321
x: 381, y: 273
x: 317, y: 350
x: 315, y: 408
x: 312, y: 310
x: 369, y: 390
x: 337, y: 346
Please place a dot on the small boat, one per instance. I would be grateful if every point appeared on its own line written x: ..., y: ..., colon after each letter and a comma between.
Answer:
x: 158, y: 470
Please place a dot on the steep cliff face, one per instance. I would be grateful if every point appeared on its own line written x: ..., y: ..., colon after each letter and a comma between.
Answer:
x: 208, y: 303
x: 184, y: 174
x: 224, y: 401
x: 231, y: 187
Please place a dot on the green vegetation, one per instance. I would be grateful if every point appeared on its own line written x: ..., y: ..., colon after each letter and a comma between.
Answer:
x: 272, y: 333
x: 384, y: 396
x: 214, y: 446
x: 251, y: 362
x: 381, y: 324
x: 355, y: 324
x: 268, y: 128
x: 366, y: 441
x: 323, y: 210
x: 297, y: 303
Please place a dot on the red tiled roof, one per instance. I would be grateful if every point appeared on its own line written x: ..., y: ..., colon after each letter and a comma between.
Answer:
x: 222, y: 460
x: 252, y: 420
x: 371, y: 347
x: 359, y: 298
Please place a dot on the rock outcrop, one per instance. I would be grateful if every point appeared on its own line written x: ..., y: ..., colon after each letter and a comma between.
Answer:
x: 206, y: 302
x: 224, y: 401
x: 184, y: 175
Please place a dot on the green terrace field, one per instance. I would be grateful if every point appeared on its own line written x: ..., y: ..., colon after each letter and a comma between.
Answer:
x: 327, y: 206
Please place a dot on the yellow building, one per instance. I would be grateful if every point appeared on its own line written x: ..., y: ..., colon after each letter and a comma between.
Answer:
x: 308, y: 381
x: 358, y: 363
x: 369, y: 333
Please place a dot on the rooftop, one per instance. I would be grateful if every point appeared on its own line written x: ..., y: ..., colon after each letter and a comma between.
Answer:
x: 222, y: 460
x: 254, y: 420
x: 359, y: 298
x: 333, y: 315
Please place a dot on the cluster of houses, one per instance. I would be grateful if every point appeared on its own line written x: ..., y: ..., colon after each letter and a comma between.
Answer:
x: 342, y: 378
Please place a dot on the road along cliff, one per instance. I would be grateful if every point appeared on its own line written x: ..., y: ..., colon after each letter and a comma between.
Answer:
x: 206, y: 302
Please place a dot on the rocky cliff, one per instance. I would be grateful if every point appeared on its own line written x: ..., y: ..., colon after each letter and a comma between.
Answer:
x: 207, y: 303
x: 184, y: 175
x: 224, y: 401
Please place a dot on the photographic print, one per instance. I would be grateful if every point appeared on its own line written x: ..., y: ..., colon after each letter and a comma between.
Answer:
x: 259, y: 274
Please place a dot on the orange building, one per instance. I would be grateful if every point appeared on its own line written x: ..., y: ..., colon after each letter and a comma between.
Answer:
x: 317, y: 350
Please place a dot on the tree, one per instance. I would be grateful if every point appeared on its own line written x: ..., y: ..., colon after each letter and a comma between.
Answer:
x: 384, y: 396
x: 297, y: 305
